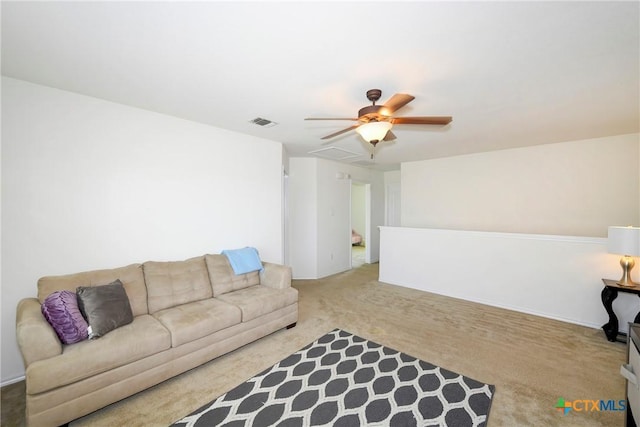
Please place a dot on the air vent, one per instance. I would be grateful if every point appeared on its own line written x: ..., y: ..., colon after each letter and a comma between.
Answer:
x: 263, y: 122
x: 334, y: 153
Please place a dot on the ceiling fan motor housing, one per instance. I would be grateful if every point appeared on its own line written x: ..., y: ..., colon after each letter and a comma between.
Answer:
x: 372, y: 113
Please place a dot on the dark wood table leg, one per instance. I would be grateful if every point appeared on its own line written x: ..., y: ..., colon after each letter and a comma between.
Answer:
x: 610, y: 328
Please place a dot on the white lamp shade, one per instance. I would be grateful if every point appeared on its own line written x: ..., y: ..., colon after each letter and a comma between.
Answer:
x: 374, y: 131
x: 624, y: 241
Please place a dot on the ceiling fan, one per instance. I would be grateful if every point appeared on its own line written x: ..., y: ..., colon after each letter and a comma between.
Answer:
x: 375, y: 121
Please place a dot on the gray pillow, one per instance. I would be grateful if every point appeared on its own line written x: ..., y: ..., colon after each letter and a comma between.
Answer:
x: 105, y: 307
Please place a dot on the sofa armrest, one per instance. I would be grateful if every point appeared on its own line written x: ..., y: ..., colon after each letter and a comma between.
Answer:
x: 275, y: 276
x: 36, y: 338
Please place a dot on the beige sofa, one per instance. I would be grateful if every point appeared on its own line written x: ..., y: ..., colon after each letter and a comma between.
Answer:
x: 185, y: 314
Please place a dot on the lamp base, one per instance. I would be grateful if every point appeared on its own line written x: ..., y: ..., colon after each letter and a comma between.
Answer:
x: 627, y: 263
x: 629, y: 284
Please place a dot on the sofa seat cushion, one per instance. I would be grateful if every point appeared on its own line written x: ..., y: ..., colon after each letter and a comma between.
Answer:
x: 191, y: 321
x: 260, y: 300
x: 141, y: 338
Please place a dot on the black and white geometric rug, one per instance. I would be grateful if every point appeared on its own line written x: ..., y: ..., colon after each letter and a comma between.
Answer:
x: 344, y: 380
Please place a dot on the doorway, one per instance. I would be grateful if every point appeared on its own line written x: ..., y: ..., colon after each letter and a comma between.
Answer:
x: 360, y: 201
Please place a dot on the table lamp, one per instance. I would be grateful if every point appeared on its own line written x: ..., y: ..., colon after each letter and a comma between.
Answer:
x: 624, y: 241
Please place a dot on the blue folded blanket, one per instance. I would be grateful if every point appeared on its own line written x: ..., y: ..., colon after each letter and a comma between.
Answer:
x: 244, y: 260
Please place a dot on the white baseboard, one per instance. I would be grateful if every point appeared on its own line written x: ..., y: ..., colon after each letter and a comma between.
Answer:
x: 12, y: 381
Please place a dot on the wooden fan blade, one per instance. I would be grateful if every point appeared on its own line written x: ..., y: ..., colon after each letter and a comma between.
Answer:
x: 340, y: 132
x: 397, y: 101
x: 329, y: 118
x: 436, y: 120
x: 390, y: 136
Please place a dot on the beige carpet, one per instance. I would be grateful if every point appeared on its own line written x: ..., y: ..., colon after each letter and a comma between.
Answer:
x: 532, y: 361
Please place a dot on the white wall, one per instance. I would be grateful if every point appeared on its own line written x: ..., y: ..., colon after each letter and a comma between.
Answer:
x: 286, y: 257
x: 552, y: 276
x: 574, y: 188
x: 303, y: 212
x: 393, y: 198
x: 523, y: 228
x: 334, y: 211
x: 90, y: 184
x: 320, y: 215
x: 392, y: 177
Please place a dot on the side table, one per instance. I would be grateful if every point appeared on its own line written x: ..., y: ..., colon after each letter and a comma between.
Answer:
x: 610, y: 293
x: 631, y: 372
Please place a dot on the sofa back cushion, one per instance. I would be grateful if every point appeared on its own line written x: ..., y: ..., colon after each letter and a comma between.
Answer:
x: 224, y: 280
x: 172, y: 283
x: 131, y: 277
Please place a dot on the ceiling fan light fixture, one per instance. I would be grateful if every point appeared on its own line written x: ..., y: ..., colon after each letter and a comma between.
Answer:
x: 374, y: 132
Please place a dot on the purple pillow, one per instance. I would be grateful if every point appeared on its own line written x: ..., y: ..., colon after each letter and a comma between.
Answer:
x: 62, y: 312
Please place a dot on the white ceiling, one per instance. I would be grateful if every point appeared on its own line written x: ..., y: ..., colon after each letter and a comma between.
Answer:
x: 511, y: 74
